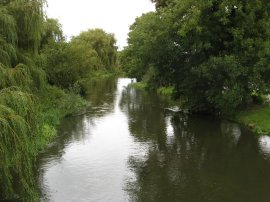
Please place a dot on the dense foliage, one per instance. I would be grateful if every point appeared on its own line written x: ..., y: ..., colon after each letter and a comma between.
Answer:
x: 33, y: 51
x: 214, y: 53
x: 70, y: 63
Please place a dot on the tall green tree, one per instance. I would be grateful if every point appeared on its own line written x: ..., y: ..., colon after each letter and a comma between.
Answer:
x: 161, y: 3
x: 149, y: 47
x: 70, y: 62
x: 52, y: 32
x: 215, y: 53
x: 97, y: 41
x: 20, y: 33
x: 29, y: 17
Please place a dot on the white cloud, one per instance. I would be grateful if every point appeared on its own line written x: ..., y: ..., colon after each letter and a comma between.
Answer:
x: 112, y: 16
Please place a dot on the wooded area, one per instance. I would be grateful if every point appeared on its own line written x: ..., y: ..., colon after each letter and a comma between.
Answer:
x: 214, y: 53
x: 42, y: 76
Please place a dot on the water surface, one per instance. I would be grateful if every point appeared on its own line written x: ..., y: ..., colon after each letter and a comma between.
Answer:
x: 128, y: 147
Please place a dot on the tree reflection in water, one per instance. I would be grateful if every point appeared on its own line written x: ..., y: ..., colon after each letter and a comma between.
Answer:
x: 192, y: 158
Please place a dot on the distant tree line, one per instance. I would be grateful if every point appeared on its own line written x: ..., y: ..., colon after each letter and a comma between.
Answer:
x: 70, y: 62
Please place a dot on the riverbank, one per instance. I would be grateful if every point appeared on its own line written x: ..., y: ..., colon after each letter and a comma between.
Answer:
x: 164, y: 91
x: 256, y: 118
x: 27, y: 134
x: 149, y: 146
x: 55, y: 105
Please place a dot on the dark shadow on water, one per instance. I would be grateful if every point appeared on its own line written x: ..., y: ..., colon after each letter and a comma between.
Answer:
x: 192, y: 158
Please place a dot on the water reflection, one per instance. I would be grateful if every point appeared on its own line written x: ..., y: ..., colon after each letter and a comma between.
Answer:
x: 264, y: 142
x: 101, y: 94
x: 128, y: 147
x: 232, y: 130
x: 192, y: 158
x: 88, y: 162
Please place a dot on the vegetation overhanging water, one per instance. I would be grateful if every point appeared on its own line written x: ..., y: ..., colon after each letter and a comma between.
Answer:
x: 129, y: 147
x: 214, y: 56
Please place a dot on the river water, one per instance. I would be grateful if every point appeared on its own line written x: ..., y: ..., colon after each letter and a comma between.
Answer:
x: 128, y: 147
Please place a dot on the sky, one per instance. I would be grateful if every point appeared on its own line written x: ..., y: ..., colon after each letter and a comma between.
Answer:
x: 113, y: 16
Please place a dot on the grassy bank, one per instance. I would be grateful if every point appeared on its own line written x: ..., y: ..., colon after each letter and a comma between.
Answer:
x: 164, y: 91
x: 256, y: 118
x: 138, y: 85
x: 28, y: 132
x: 102, y: 74
x: 55, y: 105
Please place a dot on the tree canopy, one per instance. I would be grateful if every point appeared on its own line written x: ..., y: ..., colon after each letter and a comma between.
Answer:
x: 68, y: 62
x: 215, y: 53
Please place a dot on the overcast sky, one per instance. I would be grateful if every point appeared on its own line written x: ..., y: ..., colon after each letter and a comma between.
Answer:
x: 114, y: 16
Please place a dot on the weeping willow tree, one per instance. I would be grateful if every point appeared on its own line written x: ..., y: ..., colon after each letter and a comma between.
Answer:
x: 19, y: 125
x: 8, y: 38
x: 29, y: 17
x: 100, y: 45
x: 21, y: 23
x: 20, y: 36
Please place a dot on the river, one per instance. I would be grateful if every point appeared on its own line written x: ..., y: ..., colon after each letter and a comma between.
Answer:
x: 128, y: 147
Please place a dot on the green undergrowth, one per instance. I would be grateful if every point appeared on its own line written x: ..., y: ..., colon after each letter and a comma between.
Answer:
x: 166, y: 91
x: 56, y: 104
x: 97, y: 75
x: 138, y: 85
x: 256, y: 118
x: 28, y: 124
